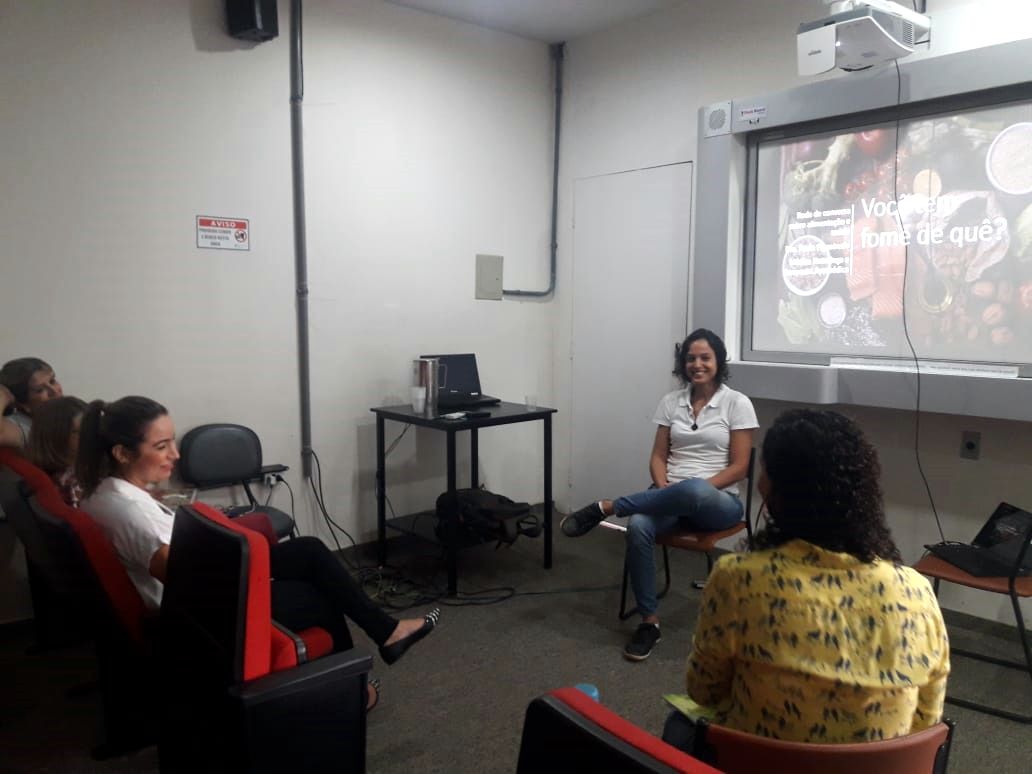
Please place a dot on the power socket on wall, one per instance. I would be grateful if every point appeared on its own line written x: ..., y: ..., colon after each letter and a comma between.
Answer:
x: 269, y: 479
x: 970, y: 445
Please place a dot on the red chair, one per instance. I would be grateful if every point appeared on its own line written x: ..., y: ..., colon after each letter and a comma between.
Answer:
x: 566, y: 730
x: 85, y: 560
x: 1016, y: 586
x: 698, y: 541
x: 240, y: 692
x: 60, y: 599
x: 924, y: 752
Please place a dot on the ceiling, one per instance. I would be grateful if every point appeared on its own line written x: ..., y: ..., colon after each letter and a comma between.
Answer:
x: 550, y: 21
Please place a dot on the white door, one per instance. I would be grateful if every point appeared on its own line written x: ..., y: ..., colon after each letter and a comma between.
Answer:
x: 630, y: 304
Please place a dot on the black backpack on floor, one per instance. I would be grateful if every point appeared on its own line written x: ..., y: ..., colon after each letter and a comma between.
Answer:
x: 480, y: 515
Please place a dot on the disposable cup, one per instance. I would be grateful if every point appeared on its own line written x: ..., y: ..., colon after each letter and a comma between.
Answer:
x: 419, y: 399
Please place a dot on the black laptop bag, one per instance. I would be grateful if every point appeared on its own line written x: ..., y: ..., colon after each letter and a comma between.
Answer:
x: 478, y: 515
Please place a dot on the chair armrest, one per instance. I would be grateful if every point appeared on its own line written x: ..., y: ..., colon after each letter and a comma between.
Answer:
x: 316, y: 710
x: 274, y: 469
x: 335, y: 667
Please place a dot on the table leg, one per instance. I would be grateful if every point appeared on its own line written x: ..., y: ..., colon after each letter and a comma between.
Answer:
x: 381, y: 494
x: 548, y: 491
x: 450, y: 548
x: 474, y: 454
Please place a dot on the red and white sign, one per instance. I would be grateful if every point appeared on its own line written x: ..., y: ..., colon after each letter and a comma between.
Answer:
x: 223, y: 233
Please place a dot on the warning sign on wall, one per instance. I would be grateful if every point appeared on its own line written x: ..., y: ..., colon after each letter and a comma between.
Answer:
x: 223, y: 233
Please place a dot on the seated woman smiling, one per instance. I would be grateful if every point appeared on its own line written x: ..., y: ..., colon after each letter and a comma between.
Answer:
x: 129, y: 445
x: 821, y: 635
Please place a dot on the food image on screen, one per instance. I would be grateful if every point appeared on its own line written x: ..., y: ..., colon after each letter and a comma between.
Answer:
x: 857, y: 230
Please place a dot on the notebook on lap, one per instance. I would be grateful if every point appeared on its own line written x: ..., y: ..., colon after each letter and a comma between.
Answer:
x: 995, y: 548
x: 461, y: 383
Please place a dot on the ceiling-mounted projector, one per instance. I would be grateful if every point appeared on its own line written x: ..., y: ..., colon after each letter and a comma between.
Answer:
x: 858, y: 35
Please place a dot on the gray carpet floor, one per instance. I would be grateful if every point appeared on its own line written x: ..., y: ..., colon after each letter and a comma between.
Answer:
x: 455, y: 703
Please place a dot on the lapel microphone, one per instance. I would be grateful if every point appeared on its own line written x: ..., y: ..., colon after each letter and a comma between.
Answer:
x: 695, y: 425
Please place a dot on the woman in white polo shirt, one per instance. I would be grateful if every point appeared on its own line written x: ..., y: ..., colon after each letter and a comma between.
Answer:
x: 700, y: 453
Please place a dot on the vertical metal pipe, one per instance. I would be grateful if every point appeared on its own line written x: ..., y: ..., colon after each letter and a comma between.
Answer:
x: 558, y: 54
x: 297, y: 159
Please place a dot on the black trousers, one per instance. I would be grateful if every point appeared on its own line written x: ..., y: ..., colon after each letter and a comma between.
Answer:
x: 311, y: 587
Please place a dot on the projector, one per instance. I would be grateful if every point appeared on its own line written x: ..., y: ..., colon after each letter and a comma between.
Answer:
x: 859, y: 34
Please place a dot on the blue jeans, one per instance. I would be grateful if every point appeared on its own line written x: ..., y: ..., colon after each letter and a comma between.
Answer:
x: 689, y: 504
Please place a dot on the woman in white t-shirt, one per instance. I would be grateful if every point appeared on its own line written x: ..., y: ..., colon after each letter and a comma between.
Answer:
x: 127, y: 446
x: 700, y: 453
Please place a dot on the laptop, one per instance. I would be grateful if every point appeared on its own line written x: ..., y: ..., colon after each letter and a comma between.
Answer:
x: 995, y: 548
x: 461, y: 383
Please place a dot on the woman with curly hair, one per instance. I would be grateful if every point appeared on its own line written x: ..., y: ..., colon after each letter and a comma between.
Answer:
x: 700, y: 453
x: 820, y: 635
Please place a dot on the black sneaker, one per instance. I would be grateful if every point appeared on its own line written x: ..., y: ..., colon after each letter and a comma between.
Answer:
x: 645, y: 638
x: 583, y: 521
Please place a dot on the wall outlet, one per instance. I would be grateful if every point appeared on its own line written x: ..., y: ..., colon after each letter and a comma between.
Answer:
x: 970, y: 445
x: 270, y: 479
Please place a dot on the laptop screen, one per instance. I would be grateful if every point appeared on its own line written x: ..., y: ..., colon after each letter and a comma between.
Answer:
x: 1007, y: 523
x: 461, y: 376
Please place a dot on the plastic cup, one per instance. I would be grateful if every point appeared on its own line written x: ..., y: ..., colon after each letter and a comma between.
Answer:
x: 589, y: 689
x: 530, y: 401
x: 418, y: 399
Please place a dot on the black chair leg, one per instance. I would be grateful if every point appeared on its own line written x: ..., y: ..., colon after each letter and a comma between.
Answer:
x: 1026, y: 667
x: 701, y: 584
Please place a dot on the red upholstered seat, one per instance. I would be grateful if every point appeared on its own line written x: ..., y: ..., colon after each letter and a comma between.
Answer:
x: 566, y: 730
x: 243, y: 693
x: 118, y: 615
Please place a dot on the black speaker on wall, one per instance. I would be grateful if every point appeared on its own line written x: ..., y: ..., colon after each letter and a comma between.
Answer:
x: 252, y: 19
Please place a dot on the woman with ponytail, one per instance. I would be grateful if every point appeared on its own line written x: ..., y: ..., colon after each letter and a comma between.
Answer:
x: 127, y: 446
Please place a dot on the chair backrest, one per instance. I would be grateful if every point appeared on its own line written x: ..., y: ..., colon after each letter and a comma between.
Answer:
x: 750, y: 481
x: 80, y: 555
x: 219, y: 455
x: 14, y: 494
x: 924, y: 752
x: 567, y: 730
x: 216, y: 617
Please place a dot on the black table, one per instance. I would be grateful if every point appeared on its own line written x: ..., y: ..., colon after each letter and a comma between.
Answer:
x: 502, y: 414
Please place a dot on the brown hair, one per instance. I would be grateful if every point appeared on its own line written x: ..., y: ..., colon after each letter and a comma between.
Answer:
x: 107, y: 425
x: 51, y: 432
x: 15, y: 375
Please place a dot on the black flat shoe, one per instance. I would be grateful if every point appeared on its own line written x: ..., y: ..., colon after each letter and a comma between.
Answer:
x: 394, y: 651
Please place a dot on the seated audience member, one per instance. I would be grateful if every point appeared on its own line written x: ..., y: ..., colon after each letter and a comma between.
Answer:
x: 129, y: 445
x: 31, y: 383
x: 10, y: 431
x: 54, y: 443
x: 700, y: 453
x: 820, y: 635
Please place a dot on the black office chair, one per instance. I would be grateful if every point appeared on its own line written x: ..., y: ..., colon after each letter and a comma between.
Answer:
x: 219, y: 455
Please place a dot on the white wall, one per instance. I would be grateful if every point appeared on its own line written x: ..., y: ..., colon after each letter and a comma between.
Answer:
x: 427, y: 141
x: 633, y: 95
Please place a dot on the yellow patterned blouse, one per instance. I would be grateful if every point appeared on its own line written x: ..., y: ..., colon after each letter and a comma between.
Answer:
x: 808, y: 645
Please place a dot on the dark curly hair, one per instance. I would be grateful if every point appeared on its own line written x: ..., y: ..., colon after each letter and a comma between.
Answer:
x: 824, y: 486
x: 716, y: 344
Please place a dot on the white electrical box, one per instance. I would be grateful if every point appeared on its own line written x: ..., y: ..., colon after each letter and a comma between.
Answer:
x: 489, y: 277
